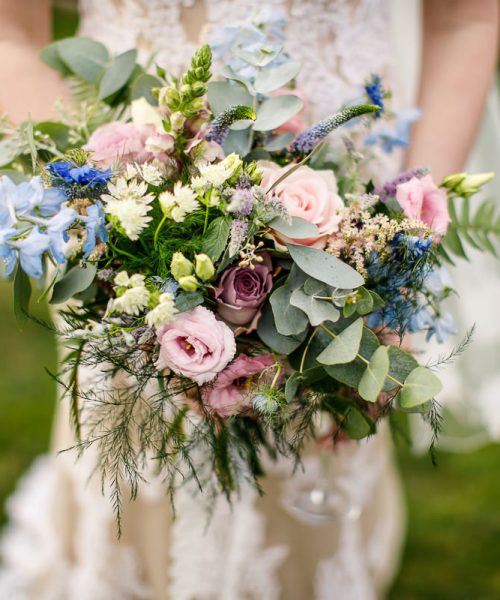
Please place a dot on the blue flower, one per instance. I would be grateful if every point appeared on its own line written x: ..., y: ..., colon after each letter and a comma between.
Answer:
x: 375, y: 93
x: 95, y: 224
x: 7, y: 253
x: 442, y: 328
x: 420, y: 319
x: 30, y: 251
x: 56, y: 228
x: 67, y: 175
x: 399, y: 137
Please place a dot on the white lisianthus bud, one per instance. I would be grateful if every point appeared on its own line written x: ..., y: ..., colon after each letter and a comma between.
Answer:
x: 188, y: 283
x: 180, y: 266
x: 204, y: 268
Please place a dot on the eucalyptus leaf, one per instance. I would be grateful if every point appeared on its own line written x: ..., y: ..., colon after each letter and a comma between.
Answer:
x: 325, y: 267
x: 22, y: 295
x: 276, y: 111
x: 289, y: 319
x: 401, y: 364
x: 318, y: 311
x: 238, y: 142
x: 292, y: 385
x: 58, y: 133
x: 420, y: 386
x: 297, y: 229
x: 356, y: 424
x: 373, y: 379
x: 313, y: 287
x: 222, y: 95
x: 51, y: 57
x: 269, y: 80
x: 258, y: 58
x: 117, y: 74
x: 216, y: 237
x: 270, y: 336
x: 188, y: 300
x: 228, y: 73
x: 350, y: 374
x: 142, y: 87
x: 279, y: 142
x: 85, y: 57
x: 76, y: 280
x: 9, y: 151
x: 344, y: 347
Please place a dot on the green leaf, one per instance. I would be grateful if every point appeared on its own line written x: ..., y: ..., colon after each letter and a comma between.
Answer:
x: 297, y: 229
x: 269, y: 80
x: 9, y: 151
x: 364, y: 304
x: 452, y: 241
x: 86, y: 58
x: 279, y: 142
x: 76, y: 280
x: 22, y: 295
x: 228, y: 73
x: 268, y: 333
x: 373, y: 379
x: 142, y: 87
x: 292, y: 385
x: 350, y: 374
x: 30, y: 137
x: 357, y: 424
x: 401, y: 364
x: 344, y: 347
x: 58, y: 133
x: 313, y: 287
x: 421, y: 385
x: 276, y: 111
x: 117, y: 74
x: 288, y: 318
x: 188, y: 300
x: 51, y: 57
x: 238, y: 142
x: 258, y: 58
x: 325, y: 267
x: 222, y: 95
x: 318, y: 311
x: 216, y: 237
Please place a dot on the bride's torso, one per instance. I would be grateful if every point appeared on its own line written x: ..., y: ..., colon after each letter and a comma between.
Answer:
x: 339, y: 42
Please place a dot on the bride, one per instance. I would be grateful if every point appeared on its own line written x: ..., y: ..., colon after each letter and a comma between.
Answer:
x: 61, y: 543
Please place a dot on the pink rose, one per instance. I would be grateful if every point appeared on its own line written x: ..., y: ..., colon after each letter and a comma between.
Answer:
x: 127, y: 142
x: 231, y: 391
x: 241, y: 291
x: 422, y: 200
x: 296, y: 124
x: 308, y: 194
x: 194, y: 344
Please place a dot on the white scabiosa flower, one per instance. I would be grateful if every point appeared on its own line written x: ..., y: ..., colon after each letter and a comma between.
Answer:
x: 163, y: 312
x: 129, y: 203
x: 179, y: 203
x: 132, y: 301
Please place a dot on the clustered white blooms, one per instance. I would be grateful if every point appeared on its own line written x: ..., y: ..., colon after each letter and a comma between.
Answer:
x: 217, y: 174
x: 163, y: 312
x: 151, y: 172
x: 179, y: 203
x: 129, y: 203
x: 133, y: 295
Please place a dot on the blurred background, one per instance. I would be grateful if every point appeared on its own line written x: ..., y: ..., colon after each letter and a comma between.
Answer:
x: 453, y: 545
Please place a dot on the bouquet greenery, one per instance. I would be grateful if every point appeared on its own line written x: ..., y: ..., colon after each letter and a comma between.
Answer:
x: 225, y: 280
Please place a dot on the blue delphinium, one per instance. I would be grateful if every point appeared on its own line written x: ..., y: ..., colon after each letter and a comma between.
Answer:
x: 84, y: 180
x: 375, y: 93
x: 442, y: 327
x: 399, y: 137
x: 95, y: 226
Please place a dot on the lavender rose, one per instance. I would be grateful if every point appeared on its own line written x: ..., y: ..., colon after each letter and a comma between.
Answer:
x: 241, y: 291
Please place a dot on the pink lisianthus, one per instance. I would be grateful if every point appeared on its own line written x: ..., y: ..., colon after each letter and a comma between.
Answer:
x: 127, y: 142
x: 231, y: 392
x: 296, y: 124
x: 422, y: 200
x: 241, y: 291
x: 196, y: 345
x: 308, y: 194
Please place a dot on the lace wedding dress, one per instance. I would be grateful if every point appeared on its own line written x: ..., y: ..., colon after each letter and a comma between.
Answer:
x: 61, y: 542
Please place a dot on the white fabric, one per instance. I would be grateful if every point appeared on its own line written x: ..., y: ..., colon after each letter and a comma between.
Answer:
x: 340, y: 42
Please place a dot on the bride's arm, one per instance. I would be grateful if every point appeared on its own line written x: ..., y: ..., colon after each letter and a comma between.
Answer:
x: 458, y: 65
x: 27, y: 86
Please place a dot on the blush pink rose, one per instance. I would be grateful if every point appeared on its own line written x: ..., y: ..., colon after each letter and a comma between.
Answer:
x: 127, y: 142
x: 241, y: 291
x: 422, y: 200
x: 308, y: 194
x: 196, y: 345
x: 296, y: 124
x: 230, y: 393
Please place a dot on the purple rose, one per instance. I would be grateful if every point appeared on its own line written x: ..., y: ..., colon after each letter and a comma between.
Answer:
x: 241, y: 291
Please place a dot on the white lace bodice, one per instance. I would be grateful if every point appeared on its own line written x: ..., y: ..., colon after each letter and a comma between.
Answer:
x: 339, y: 42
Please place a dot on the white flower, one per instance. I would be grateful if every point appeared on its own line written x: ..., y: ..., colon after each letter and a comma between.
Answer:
x: 129, y: 201
x: 163, y: 313
x: 179, y: 203
x: 145, y: 114
x: 232, y: 163
x: 132, y: 301
x: 130, y: 171
x: 215, y: 174
x: 152, y: 174
x: 122, y: 279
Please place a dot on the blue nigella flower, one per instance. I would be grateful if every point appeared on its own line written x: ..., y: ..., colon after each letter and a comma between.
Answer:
x: 375, y: 93
x: 95, y: 224
x: 85, y: 175
x: 442, y: 328
x: 399, y: 137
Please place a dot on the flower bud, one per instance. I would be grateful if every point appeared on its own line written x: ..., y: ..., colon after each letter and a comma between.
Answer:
x: 255, y: 174
x: 232, y: 163
x: 180, y: 266
x: 204, y: 269
x: 177, y: 121
x: 188, y: 283
x: 464, y: 184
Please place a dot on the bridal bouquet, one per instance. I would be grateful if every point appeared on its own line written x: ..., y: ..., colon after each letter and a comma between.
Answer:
x: 228, y: 285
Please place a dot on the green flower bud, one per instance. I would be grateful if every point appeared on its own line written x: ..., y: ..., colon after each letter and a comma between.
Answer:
x: 254, y: 173
x: 177, y: 121
x: 452, y: 181
x: 204, y: 269
x: 464, y: 184
x: 188, y: 283
x: 233, y: 163
x: 180, y: 266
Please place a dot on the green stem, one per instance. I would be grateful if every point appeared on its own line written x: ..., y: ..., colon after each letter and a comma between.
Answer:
x: 362, y: 358
x: 306, y: 349
x: 157, y: 232
x: 295, y: 167
x: 124, y: 252
x: 205, y: 225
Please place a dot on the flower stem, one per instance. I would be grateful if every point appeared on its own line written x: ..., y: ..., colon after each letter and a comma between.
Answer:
x: 306, y: 349
x: 157, y: 232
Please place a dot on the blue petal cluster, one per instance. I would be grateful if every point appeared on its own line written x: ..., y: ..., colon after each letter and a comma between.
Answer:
x: 375, y: 93
x: 398, y: 137
x: 72, y: 178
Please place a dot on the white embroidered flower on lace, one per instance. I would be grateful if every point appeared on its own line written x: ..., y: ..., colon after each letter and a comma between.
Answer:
x: 179, y: 203
x: 129, y: 203
x: 163, y: 313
